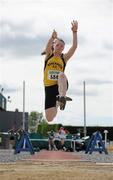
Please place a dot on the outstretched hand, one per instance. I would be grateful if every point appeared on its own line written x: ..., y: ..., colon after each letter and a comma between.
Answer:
x: 74, y: 26
x: 54, y: 34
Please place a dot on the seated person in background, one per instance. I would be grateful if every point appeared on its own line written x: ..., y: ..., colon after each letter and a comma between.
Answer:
x: 51, y: 136
x: 62, y: 134
x: 57, y: 140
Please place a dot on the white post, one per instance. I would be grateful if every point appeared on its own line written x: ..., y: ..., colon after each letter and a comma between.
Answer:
x: 105, y: 132
x: 24, y: 105
x: 84, y: 92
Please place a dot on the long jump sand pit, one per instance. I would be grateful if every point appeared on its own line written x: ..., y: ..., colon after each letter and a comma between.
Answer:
x: 61, y: 167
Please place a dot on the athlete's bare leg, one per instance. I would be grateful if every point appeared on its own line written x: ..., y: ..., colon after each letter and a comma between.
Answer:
x: 50, y: 113
x: 62, y: 84
x: 62, y: 87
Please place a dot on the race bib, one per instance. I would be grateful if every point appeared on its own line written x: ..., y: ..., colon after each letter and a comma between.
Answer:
x: 53, y: 75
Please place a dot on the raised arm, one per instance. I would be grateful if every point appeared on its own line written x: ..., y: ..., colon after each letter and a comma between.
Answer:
x: 71, y: 51
x: 48, y: 49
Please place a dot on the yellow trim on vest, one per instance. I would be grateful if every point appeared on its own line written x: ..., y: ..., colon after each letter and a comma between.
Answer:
x: 53, y: 67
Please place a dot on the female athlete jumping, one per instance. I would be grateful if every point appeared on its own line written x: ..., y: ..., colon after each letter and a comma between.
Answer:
x: 55, y: 81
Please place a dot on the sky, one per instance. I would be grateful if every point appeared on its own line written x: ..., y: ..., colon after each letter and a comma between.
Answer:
x: 26, y: 26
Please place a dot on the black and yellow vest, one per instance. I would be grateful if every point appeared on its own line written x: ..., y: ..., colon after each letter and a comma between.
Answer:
x: 53, y: 66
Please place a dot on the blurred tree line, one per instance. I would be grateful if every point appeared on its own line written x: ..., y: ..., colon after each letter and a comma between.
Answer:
x: 38, y: 124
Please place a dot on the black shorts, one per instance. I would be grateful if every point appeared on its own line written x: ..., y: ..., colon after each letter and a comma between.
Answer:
x: 50, y: 95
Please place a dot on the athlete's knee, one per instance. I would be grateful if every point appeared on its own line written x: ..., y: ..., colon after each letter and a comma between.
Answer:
x: 50, y: 116
x: 61, y: 75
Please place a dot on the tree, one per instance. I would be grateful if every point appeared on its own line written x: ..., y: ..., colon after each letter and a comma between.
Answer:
x: 37, y: 124
x: 44, y: 127
x: 35, y: 118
